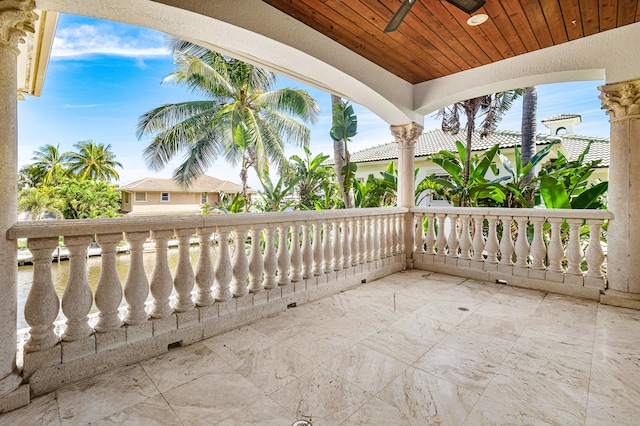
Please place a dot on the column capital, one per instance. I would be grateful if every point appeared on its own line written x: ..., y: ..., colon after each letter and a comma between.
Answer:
x: 621, y: 100
x: 16, y: 18
x: 406, y: 135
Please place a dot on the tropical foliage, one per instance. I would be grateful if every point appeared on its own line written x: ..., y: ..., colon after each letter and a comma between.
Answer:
x: 344, y: 127
x: 93, y: 161
x: 242, y: 118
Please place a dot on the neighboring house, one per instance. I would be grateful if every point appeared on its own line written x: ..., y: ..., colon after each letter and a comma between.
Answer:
x: 374, y: 160
x: 156, y: 196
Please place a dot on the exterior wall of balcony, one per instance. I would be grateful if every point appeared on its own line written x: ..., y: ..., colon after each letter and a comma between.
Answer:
x: 265, y: 263
x: 560, y: 251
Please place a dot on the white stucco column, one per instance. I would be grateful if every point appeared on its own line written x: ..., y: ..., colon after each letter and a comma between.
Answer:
x: 406, y: 137
x: 622, y: 103
x: 16, y: 17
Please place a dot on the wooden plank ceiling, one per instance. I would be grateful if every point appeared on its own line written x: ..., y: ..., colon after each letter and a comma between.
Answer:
x: 434, y: 40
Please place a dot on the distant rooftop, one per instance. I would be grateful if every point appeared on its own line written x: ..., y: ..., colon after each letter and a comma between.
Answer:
x: 561, y: 117
x: 204, y: 183
x: 436, y: 140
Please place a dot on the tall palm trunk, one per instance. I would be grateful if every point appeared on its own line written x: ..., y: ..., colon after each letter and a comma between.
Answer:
x: 529, y: 108
x: 341, y: 158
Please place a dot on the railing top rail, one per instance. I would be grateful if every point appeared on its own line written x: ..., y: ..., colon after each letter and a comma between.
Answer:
x: 56, y: 228
x: 490, y: 211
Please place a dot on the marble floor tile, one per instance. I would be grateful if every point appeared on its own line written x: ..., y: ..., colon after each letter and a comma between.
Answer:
x: 457, y: 367
x: 273, y: 367
x: 181, y: 365
x: 565, y: 320
x: 492, y: 349
x: 427, y: 399
x: 513, y: 398
x: 152, y: 411
x: 104, y: 395
x: 318, y: 343
x: 319, y: 394
x: 238, y: 344
x: 212, y: 398
x: 422, y: 327
x: 503, y: 328
x: 378, y: 412
x: 452, y: 312
x: 562, y: 299
x: 508, y: 306
x: 365, y: 367
x: 398, y: 344
x: 284, y: 325
x: 43, y: 411
x: 264, y: 412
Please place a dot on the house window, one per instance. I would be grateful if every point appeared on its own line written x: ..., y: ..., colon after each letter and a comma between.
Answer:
x: 141, y: 196
x: 164, y: 197
x: 125, y: 197
x: 204, y: 198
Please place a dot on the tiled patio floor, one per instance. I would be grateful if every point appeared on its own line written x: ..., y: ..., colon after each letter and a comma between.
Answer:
x: 412, y: 348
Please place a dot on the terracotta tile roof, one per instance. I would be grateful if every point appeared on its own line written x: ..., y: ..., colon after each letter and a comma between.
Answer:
x: 204, y: 183
x: 436, y: 140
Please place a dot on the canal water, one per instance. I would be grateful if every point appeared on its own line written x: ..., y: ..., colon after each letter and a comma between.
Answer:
x: 60, y: 275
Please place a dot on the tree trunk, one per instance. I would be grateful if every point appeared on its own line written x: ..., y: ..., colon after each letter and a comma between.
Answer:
x: 244, y: 175
x: 529, y: 107
x: 341, y: 158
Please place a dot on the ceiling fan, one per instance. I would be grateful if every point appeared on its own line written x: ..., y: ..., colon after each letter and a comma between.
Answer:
x: 469, y: 6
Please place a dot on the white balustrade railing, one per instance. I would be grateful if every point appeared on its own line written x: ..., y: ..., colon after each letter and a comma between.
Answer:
x: 255, y: 252
x: 541, y: 244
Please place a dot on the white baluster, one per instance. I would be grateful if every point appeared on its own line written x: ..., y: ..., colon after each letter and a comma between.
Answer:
x: 400, y: 231
x: 506, y: 243
x: 318, y: 258
x: 574, y: 250
x: 346, y: 244
x: 430, y: 236
x: 109, y: 291
x: 284, y: 258
x: 538, y: 249
x: 223, y: 269
x: 395, y: 226
x: 452, y: 242
x: 491, y: 246
x: 368, y: 234
x: 136, y: 285
x: 240, y: 264
x: 595, y: 255
x: 327, y: 245
x: 384, y: 229
x: 77, y: 298
x: 555, y: 252
x: 296, y: 254
x: 465, y: 237
x: 307, y: 252
x: 377, y: 237
x: 256, y: 261
x: 204, y: 268
x: 354, y: 240
x: 441, y: 240
x: 337, y: 246
x: 184, y: 279
x: 522, y: 244
x: 389, y: 231
x: 478, y: 239
x: 361, y: 244
x: 161, y: 280
x: 270, y: 259
x: 42, y: 305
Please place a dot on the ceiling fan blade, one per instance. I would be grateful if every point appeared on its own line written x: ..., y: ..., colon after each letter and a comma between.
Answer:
x: 398, y: 17
x: 469, y: 6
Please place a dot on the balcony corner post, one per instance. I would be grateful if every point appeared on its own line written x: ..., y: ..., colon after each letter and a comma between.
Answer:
x: 16, y: 18
x: 621, y: 101
x: 406, y: 136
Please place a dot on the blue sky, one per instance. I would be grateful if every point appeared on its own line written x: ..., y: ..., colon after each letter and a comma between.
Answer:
x: 103, y: 75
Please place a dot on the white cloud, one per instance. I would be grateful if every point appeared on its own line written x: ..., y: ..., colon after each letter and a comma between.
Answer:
x: 108, y: 39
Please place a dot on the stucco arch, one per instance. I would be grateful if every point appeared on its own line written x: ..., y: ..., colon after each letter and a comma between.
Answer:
x: 613, y: 56
x: 257, y: 33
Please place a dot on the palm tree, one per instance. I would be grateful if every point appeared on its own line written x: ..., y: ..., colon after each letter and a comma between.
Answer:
x: 529, y: 109
x: 344, y: 127
x: 37, y: 203
x: 310, y: 173
x: 242, y: 118
x: 50, y: 165
x: 492, y: 107
x: 93, y: 161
